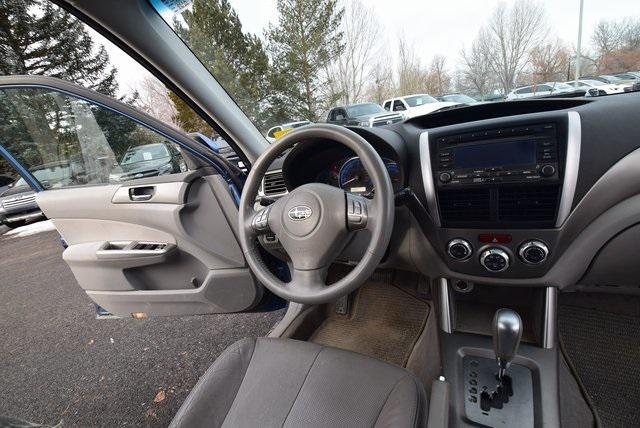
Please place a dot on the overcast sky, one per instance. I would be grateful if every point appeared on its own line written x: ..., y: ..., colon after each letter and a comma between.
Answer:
x: 433, y: 27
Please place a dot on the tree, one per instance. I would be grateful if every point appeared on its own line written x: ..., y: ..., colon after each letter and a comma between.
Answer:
x: 187, y: 119
x: 305, y: 41
x: 438, y: 79
x: 351, y: 71
x: 39, y: 38
x: 549, y: 62
x: 510, y: 34
x: 617, y: 45
x: 411, y: 76
x: 238, y: 60
x: 476, y: 75
x: 154, y: 99
x: 381, y: 85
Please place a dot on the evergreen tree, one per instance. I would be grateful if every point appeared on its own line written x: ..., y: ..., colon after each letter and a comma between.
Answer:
x: 236, y: 59
x: 39, y: 38
x: 305, y: 41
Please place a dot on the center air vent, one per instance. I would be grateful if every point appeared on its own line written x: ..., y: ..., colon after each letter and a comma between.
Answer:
x: 273, y: 184
x: 528, y: 204
x: 471, y: 205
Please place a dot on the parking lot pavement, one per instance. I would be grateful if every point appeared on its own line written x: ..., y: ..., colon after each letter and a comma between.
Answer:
x: 58, y: 363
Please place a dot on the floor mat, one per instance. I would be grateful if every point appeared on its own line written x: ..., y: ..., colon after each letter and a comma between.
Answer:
x: 385, y: 323
x: 605, y: 349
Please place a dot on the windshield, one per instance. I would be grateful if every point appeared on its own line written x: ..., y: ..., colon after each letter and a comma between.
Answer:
x: 148, y: 152
x: 459, y: 98
x: 594, y: 82
x: 418, y: 100
x: 364, y: 109
x: 562, y: 86
x: 284, y: 61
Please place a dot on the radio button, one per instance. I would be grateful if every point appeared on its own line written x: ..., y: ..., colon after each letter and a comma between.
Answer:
x: 547, y: 170
x: 444, y: 177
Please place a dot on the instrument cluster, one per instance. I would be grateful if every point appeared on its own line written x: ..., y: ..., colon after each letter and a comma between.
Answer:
x: 350, y: 174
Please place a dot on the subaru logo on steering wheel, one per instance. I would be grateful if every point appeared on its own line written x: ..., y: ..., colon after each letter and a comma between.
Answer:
x: 300, y: 212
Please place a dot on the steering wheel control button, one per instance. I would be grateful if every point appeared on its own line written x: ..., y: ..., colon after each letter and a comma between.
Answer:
x: 494, y: 260
x: 260, y: 221
x: 533, y: 252
x: 459, y: 249
x: 356, y: 212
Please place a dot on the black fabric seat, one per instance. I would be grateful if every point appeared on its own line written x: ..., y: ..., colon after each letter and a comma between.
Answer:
x: 276, y: 382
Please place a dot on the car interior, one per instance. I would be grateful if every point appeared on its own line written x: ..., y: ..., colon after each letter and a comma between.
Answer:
x: 471, y: 267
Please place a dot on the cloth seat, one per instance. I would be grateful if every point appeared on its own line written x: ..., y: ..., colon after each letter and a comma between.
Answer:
x: 288, y: 383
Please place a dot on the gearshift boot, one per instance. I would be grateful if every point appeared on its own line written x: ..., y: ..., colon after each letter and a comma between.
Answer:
x: 490, y: 402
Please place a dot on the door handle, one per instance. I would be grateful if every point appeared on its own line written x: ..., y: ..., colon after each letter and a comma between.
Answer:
x: 141, y: 194
x: 137, y: 198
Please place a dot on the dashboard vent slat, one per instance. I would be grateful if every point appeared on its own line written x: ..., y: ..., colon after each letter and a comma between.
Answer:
x: 273, y: 184
x: 465, y: 205
x: 528, y: 204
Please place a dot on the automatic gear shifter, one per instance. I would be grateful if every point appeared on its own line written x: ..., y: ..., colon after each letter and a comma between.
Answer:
x: 508, y: 401
x: 507, y: 332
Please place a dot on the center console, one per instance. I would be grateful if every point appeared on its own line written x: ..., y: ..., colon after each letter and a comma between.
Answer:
x: 498, y: 192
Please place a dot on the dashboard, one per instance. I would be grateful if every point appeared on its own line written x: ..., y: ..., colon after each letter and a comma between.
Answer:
x: 524, y: 193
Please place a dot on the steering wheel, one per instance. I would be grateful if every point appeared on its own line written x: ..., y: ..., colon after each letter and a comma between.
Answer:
x: 315, y: 221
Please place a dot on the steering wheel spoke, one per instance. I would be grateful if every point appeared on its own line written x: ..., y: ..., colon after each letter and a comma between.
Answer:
x: 309, y: 280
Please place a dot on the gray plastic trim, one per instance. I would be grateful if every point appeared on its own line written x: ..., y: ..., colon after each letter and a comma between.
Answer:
x: 550, y: 321
x: 572, y: 165
x: 427, y: 177
x: 446, y: 317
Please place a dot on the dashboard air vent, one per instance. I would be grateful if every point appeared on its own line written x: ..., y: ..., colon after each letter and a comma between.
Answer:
x: 273, y: 184
x: 471, y: 205
x: 528, y: 204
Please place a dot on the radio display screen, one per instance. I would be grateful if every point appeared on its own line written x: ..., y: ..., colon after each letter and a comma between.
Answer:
x: 495, y: 154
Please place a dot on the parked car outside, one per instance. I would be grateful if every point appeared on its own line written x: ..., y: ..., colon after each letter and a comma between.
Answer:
x: 596, y: 87
x: 278, y: 131
x: 18, y: 205
x: 540, y: 90
x: 416, y: 105
x: 607, y: 78
x: 5, y: 182
x: 148, y: 160
x: 457, y: 98
x: 367, y: 115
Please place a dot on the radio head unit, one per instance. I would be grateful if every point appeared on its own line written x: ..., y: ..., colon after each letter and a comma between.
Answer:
x: 514, y: 155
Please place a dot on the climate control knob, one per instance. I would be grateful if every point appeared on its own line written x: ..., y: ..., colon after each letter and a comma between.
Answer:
x: 494, y: 260
x: 533, y: 252
x: 459, y: 249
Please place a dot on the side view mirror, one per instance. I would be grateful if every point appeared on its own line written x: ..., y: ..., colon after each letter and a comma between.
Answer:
x: 339, y: 117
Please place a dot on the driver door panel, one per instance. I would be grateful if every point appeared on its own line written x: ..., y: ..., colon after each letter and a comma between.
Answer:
x: 148, y: 218
x: 174, y: 254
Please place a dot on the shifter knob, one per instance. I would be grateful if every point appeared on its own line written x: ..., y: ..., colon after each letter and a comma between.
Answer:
x: 507, y: 331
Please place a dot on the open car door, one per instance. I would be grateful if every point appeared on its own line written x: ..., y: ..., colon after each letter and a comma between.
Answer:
x: 147, y: 213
